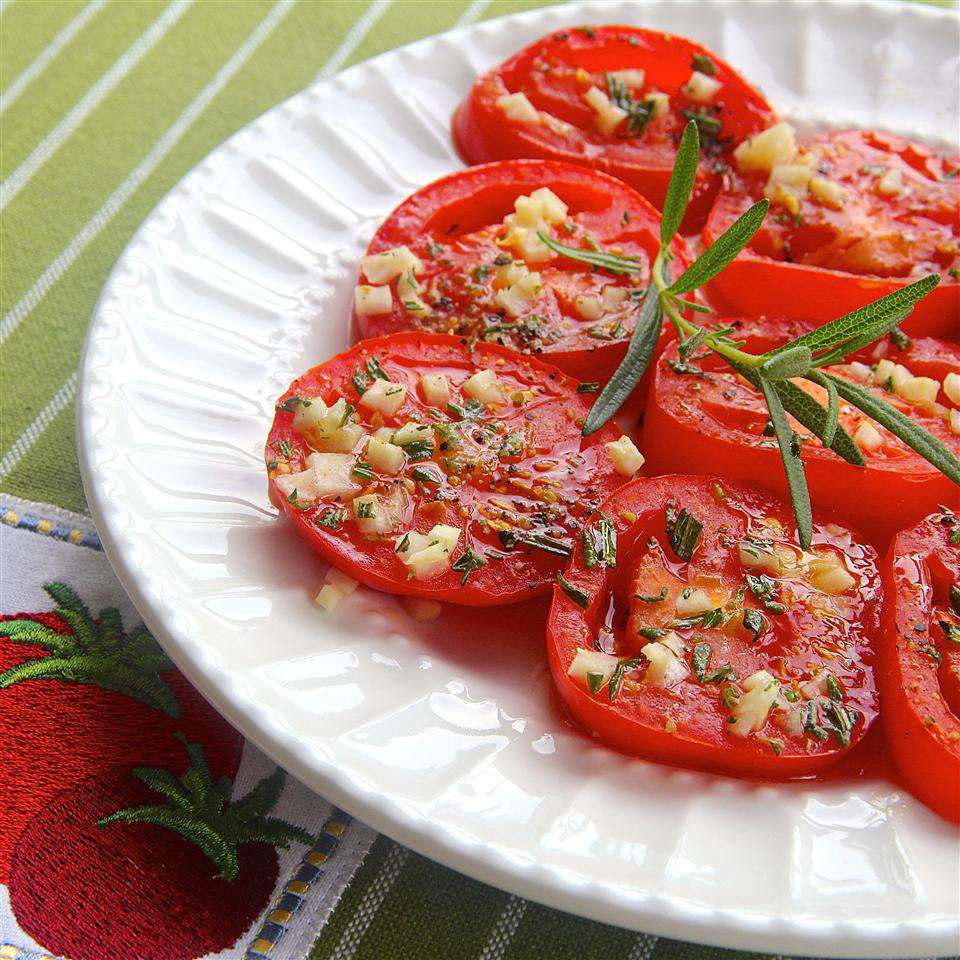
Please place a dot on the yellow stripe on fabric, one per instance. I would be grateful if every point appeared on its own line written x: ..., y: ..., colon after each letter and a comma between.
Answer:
x: 33, y: 25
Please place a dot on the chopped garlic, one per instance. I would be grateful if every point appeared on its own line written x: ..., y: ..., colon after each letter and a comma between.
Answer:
x: 787, y: 184
x: 408, y: 293
x: 509, y: 273
x: 660, y: 101
x: 516, y: 106
x: 412, y: 432
x: 371, y: 516
x: 592, y: 661
x: 326, y: 475
x: 329, y: 597
x: 691, y: 602
x: 483, y: 386
x: 387, y: 266
x: 368, y: 301
x: 327, y: 428
x: 428, y: 555
x: 421, y: 610
x: 385, y: 396
x: 830, y: 575
x: 862, y: 371
x: 665, y: 668
x: 827, y: 192
x: 344, y: 583
x: 776, y: 144
x: 920, y: 390
x: 589, y: 307
x: 518, y: 296
x: 751, y: 710
x: 753, y: 554
x: 435, y: 389
x: 700, y: 87
x: 384, y: 456
x: 951, y: 387
x: 613, y: 297
x: 867, y: 437
x: 891, y: 183
x: 608, y: 116
x: 893, y: 373
x: 633, y: 79
x: 627, y: 459
x: 955, y: 421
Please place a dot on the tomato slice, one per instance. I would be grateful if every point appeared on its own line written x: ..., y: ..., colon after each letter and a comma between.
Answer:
x: 917, y: 669
x: 422, y: 466
x: 540, y: 103
x: 877, y: 213
x: 480, y: 271
x: 713, y: 641
x: 702, y: 415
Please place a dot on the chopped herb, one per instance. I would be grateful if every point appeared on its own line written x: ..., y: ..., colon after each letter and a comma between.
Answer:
x: 616, y: 678
x: 684, y: 533
x: 834, y: 690
x: 754, y: 622
x: 375, y: 370
x: 293, y: 498
x: 284, y: 449
x: 652, y: 633
x: 639, y: 112
x: 708, y: 125
x: 362, y: 470
x: 424, y: 475
x: 625, y: 219
x: 468, y: 410
x: 775, y: 745
x: 404, y: 545
x: 792, y: 695
x: 291, y: 403
x: 716, y: 617
x: 594, y: 682
x: 954, y: 537
x: 580, y: 598
x: 842, y: 721
x: 273, y: 464
x: 900, y: 340
x: 721, y: 674
x: 704, y: 64
x: 810, y: 724
x: 729, y: 697
x: 539, y: 541
x: 929, y: 650
x: 331, y: 518
x: 766, y: 590
x: 591, y: 386
x: 951, y: 631
x: 700, y: 659
x: 467, y: 563
x: 600, y: 544
x: 652, y: 598
x: 365, y: 510
x: 480, y: 273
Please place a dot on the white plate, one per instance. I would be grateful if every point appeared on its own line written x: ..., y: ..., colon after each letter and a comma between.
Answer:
x: 445, y: 735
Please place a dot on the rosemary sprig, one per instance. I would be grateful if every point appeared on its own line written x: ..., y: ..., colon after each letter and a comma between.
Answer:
x: 771, y: 373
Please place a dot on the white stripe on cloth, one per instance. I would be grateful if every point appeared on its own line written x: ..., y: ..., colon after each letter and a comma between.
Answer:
x: 106, y: 213
x: 90, y: 100
x: 473, y: 13
x: 61, y: 400
x: 49, y: 53
x: 139, y: 174
x: 642, y: 948
x: 353, y: 39
x: 3, y: 5
x: 504, y: 929
x: 370, y: 903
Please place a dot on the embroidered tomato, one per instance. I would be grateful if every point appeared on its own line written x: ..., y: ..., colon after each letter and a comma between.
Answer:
x: 918, y: 664
x: 462, y: 256
x: 425, y: 467
x: 701, y: 415
x: 689, y: 628
x: 616, y: 99
x: 855, y: 215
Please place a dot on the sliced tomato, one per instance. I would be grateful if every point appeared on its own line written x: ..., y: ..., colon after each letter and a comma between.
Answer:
x: 422, y: 466
x: 538, y: 104
x: 709, y: 639
x: 888, y: 215
x: 917, y: 669
x: 480, y: 270
x: 701, y: 415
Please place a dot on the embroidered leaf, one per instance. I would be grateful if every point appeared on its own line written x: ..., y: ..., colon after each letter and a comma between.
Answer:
x: 199, y: 810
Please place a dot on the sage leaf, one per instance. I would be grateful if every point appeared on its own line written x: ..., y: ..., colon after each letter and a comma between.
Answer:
x: 794, y: 362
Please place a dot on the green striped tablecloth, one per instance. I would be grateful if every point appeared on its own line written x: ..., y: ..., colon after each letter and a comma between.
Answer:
x: 105, y: 105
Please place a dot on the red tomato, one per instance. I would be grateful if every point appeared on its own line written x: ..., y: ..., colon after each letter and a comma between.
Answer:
x: 921, y: 727
x: 580, y: 319
x: 512, y: 479
x: 731, y: 649
x: 818, y: 262
x: 711, y: 419
x: 556, y: 72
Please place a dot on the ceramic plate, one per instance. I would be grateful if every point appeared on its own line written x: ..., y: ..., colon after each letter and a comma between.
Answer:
x: 445, y: 735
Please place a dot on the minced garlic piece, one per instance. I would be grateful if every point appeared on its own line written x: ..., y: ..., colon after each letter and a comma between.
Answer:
x: 776, y: 144
x: 627, y: 459
x: 516, y: 106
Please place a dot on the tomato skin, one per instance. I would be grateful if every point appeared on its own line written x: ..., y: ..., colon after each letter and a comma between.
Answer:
x: 818, y: 287
x: 459, y: 212
x: 634, y: 724
x: 691, y: 424
x: 481, y: 132
x: 922, y: 732
x: 554, y: 429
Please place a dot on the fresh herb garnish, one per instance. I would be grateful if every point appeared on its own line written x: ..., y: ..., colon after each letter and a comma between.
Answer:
x: 467, y: 563
x: 539, y: 541
x: 639, y: 112
x: 468, y: 410
x: 580, y: 598
x: 950, y: 630
x: 652, y: 597
x: 291, y: 403
x: 766, y: 591
x: 363, y: 470
x: 600, y: 544
x: 284, y: 449
x: 365, y: 510
x: 704, y: 64
x: 684, y: 532
x: 769, y: 373
x: 616, y: 678
x: 900, y: 340
x: 652, y: 633
x: 424, y: 475
x: 591, y: 386
x: 700, y: 660
x: 512, y: 445
x: 754, y: 622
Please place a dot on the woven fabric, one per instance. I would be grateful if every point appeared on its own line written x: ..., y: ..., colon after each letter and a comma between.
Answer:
x: 105, y: 105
